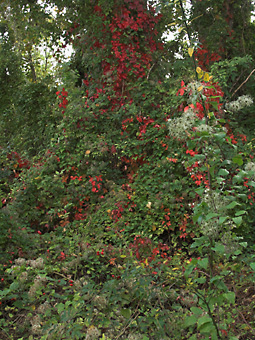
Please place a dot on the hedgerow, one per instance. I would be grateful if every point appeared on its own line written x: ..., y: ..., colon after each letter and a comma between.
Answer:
x: 136, y: 221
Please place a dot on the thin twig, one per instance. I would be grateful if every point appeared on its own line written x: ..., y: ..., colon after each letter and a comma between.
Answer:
x: 193, y: 56
x: 19, y: 317
x: 243, y: 82
x: 4, y: 331
x: 189, y: 36
x: 150, y: 70
x: 131, y: 320
x: 62, y: 275
x: 201, y: 271
x: 203, y: 298
x: 252, y: 330
x: 236, y: 82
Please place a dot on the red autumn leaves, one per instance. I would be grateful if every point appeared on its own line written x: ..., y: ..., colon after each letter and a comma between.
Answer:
x: 62, y: 95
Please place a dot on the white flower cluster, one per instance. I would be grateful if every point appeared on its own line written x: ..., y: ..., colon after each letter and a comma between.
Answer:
x: 181, y: 127
x: 16, y: 267
x: 20, y: 261
x: 210, y: 228
x: 38, y: 263
x: 38, y: 283
x: 215, y: 202
x: 231, y: 245
x: 194, y: 88
x: 100, y: 302
x: 240, y: 103
x: 23, y: 277
x: 92, y: 333
x: 178, y: 127
x: 42, y: 309
x: 78, y: 284
x: 36, y: 324
x: 22, y: 266
x: 250, y: 167
x: 204, y: 127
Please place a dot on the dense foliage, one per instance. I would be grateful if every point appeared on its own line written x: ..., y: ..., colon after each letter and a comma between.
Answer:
x: 127, y: 178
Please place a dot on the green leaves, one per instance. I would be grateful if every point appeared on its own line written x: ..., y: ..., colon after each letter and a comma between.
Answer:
x: 219, y: 248
x: 223, y: 172
x: 60, y: 308
x: 230, y: 297
x: 237, y: 220
x: 252, y: 265
x: 126, y: 313
x: 211, y: 215
x: 205, y: 324
x: 220, y: 136
x: 203, y: 263
x: 232, y: 205
x: 238, y: 160
x: 191, y: 320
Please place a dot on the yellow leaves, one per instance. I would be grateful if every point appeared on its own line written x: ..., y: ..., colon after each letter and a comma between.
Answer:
x: 181, y: 29
x: 148, y: 205
x: 196, y: 18
x: 210, y: 115
x: 206, y: 76
x: 153, y: 228
x: 199, y: 70
x: 200, y: 88
x: 87, y: 152
x: 190, y: 51
x: 189, y: 282
x: 203, y: 75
